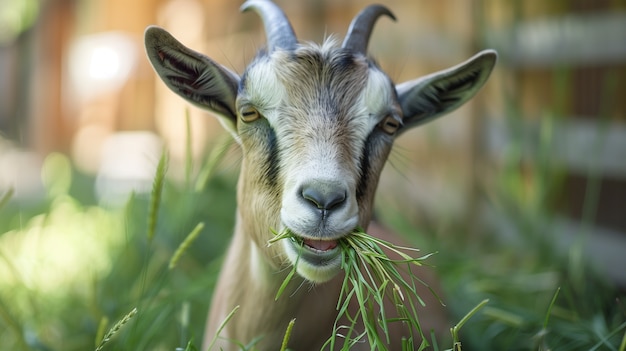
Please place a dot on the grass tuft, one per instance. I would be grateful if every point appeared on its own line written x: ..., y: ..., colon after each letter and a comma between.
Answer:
x: 371, y: 277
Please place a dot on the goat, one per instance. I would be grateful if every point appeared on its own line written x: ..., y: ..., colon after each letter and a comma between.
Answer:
x: 315, y: 124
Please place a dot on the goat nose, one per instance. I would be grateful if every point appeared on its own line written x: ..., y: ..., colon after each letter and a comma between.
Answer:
x: 324, y: 197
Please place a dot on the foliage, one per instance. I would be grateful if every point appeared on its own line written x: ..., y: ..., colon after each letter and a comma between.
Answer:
x: 371, y: 277
x: 69, y: 266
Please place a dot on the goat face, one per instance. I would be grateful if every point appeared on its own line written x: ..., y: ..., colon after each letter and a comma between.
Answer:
x: 315, y: 123
x: 321, y: 123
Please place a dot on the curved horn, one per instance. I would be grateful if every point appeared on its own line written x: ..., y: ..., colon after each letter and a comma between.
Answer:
x: 277, y: 27
x: 361, y: 27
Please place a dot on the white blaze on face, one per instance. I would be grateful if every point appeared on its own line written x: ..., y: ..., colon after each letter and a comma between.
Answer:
x: 320, y: 167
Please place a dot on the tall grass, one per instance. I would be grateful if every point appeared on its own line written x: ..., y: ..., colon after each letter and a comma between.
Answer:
x: 163, y: 253
x: 523, y: 313
x: 140, y: 241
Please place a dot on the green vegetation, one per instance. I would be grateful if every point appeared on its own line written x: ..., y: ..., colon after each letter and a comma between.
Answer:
x: 72, y: 269
x: 371, y: 278
x: 69, y: 267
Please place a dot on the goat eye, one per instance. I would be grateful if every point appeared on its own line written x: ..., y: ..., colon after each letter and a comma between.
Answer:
x: 389, y: 124
x: 249, y: 114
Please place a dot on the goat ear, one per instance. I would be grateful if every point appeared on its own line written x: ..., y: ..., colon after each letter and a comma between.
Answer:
x: 193, y: 76
x: 434, y: 95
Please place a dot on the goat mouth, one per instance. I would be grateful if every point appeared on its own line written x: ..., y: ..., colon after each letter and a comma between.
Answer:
x: 314, y: 244
x: 317, y: 260
x: 320, y: 245
x: 316, y: 251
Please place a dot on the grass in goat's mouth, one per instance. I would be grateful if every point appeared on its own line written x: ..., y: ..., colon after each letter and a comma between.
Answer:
x: 371, y: 276
x: 318, y: 245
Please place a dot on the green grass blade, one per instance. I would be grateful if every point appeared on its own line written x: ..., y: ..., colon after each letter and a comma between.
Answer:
x: 190, y: 346
x: 155, y: 197
x: 283, y: 347
x: 222, y: 326
x: 556, y: 294
x: 116, y: 328
x: 216, y: 155
x: 104, y: 321
x: 185, y: 244
x: 455, y: 330
x: 292, y: 272
x: 188, y: 148
x: 286, y: 281
x: 605, y: 339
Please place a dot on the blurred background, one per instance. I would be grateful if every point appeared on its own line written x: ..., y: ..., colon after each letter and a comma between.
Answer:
x: 521, y: 192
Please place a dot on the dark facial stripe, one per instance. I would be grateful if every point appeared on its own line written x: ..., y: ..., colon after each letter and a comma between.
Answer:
x: 364, y: 168
x: 273, y: 160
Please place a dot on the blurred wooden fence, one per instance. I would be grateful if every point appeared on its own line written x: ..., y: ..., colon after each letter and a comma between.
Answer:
x: 566, y: 68
x: 562, y: 76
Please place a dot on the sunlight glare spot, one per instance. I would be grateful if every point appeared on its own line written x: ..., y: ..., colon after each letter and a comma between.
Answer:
x: 104, y: 63
x: 101, y: 63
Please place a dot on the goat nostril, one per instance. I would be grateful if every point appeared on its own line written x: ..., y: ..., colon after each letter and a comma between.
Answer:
x: 324, y: 199
x: 336, y: 199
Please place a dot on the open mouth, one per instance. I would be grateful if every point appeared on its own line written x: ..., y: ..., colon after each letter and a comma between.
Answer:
x: 315, y: 245
x: 315, y: 251
x: 316, y: 260
x: 319, y: 245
